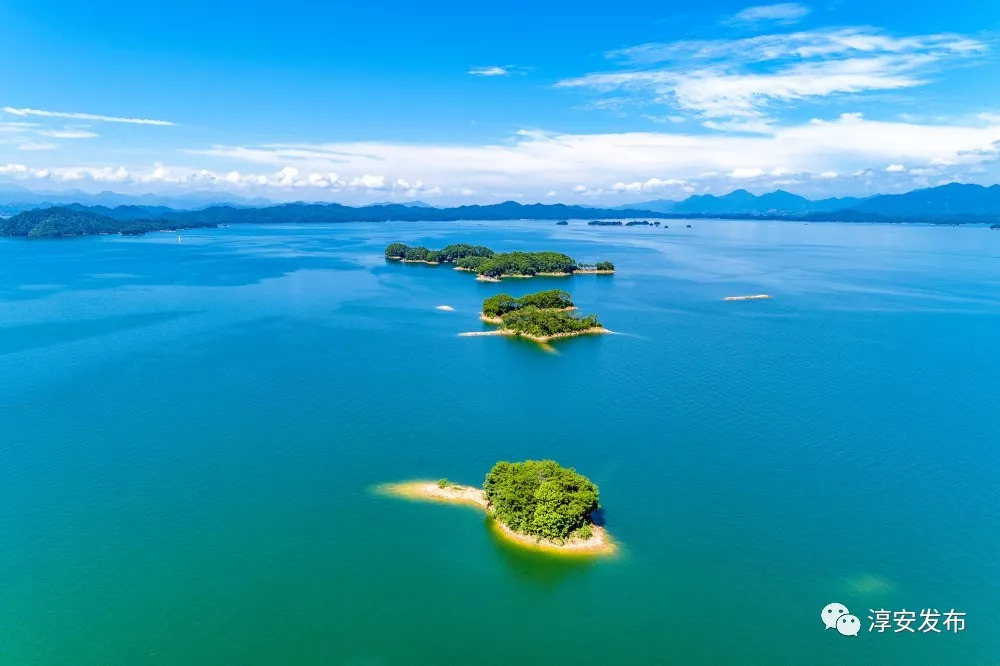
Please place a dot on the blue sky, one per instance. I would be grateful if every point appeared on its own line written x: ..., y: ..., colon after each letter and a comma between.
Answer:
x: 465, y: 102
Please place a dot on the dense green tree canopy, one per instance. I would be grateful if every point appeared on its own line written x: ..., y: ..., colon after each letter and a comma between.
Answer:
x: 540, y: 497
x: 543, y: 323
x: 526, y: 263
x: 499, y: 305
x: 396, y: 250
x: 604, y: 266
x: 67, y: 221
x: 448, y: 254
x: 484, y: 261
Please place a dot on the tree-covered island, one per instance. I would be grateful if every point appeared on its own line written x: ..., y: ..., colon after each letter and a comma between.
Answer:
x: 490, y: 265
x: 535, y: 503
x: 542, y: 316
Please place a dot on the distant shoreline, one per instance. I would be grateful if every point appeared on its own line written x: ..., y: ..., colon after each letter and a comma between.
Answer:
x: 599, y: 544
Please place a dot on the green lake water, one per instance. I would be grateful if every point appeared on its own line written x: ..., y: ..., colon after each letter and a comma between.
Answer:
x: 190, y: 432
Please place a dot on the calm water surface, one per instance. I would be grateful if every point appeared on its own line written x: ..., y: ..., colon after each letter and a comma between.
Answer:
x: 189, y: 434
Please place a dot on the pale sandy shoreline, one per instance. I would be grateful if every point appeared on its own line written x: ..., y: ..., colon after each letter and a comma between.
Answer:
x: 429, y: 491
x: 597, y: 330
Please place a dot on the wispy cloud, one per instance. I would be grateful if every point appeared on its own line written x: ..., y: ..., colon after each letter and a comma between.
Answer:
x: 493, y: 70
x: 25, y: 112
x: 785, y: 13
x: 16, y: 127
x: 67, y: 134
x: 741, y: 78
x: 37, y: 145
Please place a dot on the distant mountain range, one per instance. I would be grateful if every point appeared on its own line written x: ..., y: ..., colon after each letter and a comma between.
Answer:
x: 744, y: 203
x: 947, y: 204
x: 15, y: 199
x: 955, y: 202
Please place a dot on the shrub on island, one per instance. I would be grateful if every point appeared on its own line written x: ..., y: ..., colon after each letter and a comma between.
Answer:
x: 538, y: 323
x: 541, y: 498
x: 501, y: 304
x: 604, y: 266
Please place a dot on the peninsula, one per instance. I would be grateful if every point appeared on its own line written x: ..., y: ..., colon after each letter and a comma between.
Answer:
x: 536, y: 504
x: 491, y: 266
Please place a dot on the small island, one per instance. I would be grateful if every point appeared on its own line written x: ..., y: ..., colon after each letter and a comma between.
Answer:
x: 542, y: 317
x: 561, y: 223
x: 605, y: 223
x: 490, y: 266
x: 995, y: 226
x: 535, y: 504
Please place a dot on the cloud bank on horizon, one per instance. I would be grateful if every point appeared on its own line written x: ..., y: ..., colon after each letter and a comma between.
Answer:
x: 762, y: 103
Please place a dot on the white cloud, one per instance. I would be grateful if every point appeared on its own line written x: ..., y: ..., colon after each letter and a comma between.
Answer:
x: 10, y: 128
x: 746, y: 172
x: 584, y: 166
x: 895, y: 168
x: 23, y: 113
x: 741, y: 78
x: 37, y: 145
x: 494, y: 70
x: 785, y: 13
x: 67, y: 134
x: 370, y: 182
x: 649, y: 185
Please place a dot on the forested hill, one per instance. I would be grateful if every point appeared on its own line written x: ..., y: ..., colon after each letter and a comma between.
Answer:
x: 66, y: 221
x: 76, y: 220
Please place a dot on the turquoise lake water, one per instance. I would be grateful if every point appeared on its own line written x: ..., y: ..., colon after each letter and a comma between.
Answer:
x: 189, y: 435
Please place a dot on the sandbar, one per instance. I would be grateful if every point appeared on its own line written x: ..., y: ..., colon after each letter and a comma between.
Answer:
x: 752, y: 297
x: 446, y: 308
x: 600, y: 543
